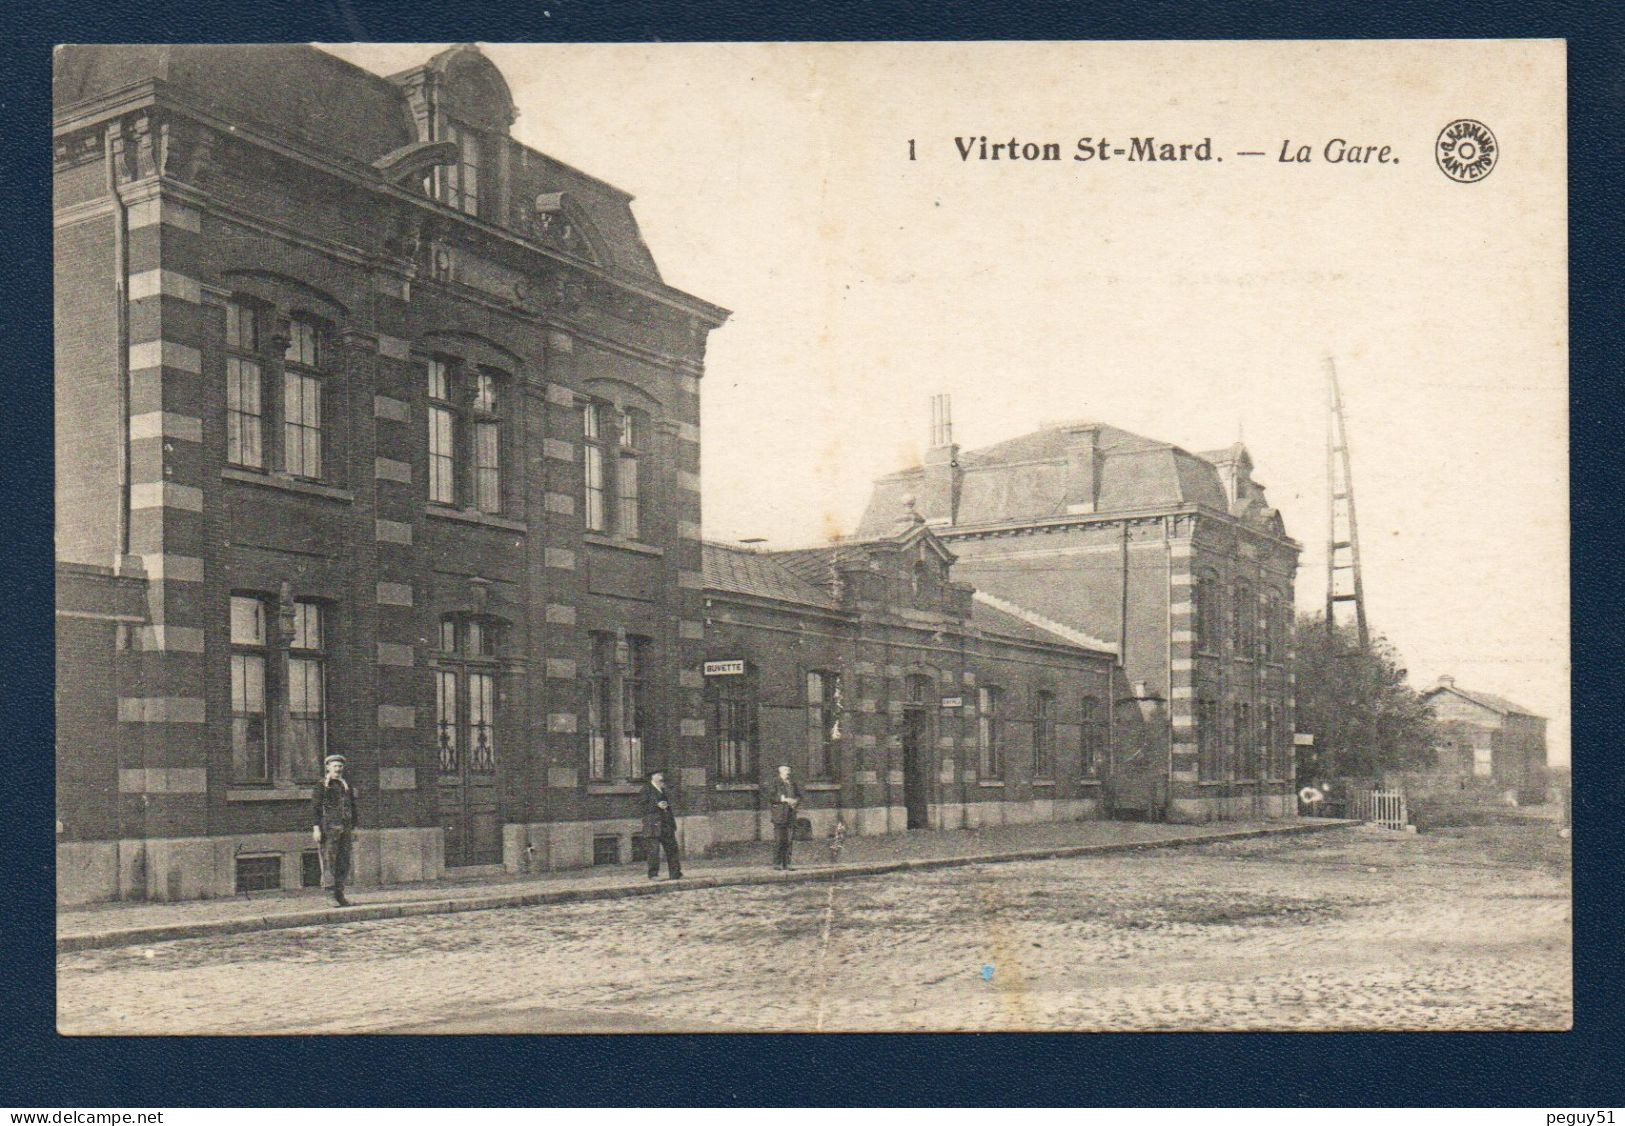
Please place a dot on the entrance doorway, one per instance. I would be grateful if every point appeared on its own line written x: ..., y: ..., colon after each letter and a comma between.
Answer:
x: 917, y: 752
x: 465, y: 707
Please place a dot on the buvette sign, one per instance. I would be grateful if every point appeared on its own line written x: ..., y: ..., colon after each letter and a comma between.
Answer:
x: 725, y: 668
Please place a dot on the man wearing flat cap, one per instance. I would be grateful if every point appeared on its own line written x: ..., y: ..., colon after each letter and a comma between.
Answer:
x: 332, y: 809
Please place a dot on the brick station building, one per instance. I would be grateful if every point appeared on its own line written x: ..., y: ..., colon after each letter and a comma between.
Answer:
x: 377, y: 433
x: 900, y: 698
x: 1175, y: 557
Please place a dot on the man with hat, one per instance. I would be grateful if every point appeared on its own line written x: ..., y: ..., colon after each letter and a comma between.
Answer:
x: 332, y: 809
x: 660, y: 827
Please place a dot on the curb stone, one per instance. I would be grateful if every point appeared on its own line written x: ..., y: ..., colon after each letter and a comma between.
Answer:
x: 364, y: 912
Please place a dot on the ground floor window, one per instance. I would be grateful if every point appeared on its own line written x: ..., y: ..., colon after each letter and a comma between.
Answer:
x: 990, y: 732
x: 732, y: 709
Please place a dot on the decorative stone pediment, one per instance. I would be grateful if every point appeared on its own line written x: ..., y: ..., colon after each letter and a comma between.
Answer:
x: 472, y: 89
x: 410, y: 163
x: 556, y: 220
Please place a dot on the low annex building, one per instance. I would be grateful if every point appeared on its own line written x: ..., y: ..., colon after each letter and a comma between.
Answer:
x: 900, y: 698
x: 1175, y: 557
x: 1486, y: 742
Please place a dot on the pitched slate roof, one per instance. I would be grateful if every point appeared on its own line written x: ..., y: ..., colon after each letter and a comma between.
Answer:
x: 1024, y: 478
x: 1494, y: 703
x: 1001, y: 615
x: 738, y: 570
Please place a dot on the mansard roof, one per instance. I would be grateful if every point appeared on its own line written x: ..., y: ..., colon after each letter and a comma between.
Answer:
x: 1025, y: 479
x: 347, y: 114
x: 290, y: 89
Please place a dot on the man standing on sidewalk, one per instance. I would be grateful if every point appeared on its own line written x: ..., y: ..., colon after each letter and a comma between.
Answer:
x: 786, y: 797
x: 332, y: 811
x: 660, y: 827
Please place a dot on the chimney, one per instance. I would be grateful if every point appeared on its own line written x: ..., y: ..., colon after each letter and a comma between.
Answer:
x: 939, y: 485
x: 1083, y: 460
x: 1447, y: 682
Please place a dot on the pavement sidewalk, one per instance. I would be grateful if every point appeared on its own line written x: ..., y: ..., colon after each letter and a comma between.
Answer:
x: 126, y: 924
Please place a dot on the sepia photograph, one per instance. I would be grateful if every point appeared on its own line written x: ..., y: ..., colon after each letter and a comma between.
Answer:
x: 812, y: 537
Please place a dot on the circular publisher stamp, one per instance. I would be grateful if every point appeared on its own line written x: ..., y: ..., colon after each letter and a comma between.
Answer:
x: 1466, y: 151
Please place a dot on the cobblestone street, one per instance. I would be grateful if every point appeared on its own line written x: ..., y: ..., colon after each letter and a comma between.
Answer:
x: 1355, y: 929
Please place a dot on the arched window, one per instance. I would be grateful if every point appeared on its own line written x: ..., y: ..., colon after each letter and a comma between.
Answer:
x: 465, y: 417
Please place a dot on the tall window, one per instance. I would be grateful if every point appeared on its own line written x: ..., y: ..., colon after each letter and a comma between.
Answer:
x: 1043, y: 734
x: 1208, y: 740
x: 1266, y: 738
x: 465, y: 429
x: 600, y: 704
x: 1244, y: 760
x: 1092, y: 721
x: 733, y: 723
x: 250, y: 742
x: 302, y: 399
x: 460, y: 182
x: 1243, y: 619
x: 626, y: 495
x: 291, y: 749
x: 487, y: 433
x: 245, y: 404
x: 442, y: 434
x: 1207, y: 614
x: 466, y: 670
x: 307, y: 692
x: 617, y: 706
x: 592, y: 430
x: 823, y: 722
x: 990, y: 732
x: 634, y: 706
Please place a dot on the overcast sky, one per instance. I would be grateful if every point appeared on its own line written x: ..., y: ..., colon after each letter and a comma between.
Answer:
x: 1191, y: 302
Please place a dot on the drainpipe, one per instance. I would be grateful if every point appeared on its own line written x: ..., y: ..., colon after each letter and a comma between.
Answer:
x: 1122, y: 610
x: 121, y: 280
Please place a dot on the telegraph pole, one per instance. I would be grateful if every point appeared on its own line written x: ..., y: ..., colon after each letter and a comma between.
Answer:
x: 1342, y: 532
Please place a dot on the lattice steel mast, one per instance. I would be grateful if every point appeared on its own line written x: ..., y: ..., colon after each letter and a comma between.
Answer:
x: 1342, y: 532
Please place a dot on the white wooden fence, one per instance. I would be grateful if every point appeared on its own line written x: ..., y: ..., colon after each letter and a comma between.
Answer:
x: 1380, y: 807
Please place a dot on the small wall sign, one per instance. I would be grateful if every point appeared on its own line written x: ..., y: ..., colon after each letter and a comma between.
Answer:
x: 953, y: 701
x: 725, y: 668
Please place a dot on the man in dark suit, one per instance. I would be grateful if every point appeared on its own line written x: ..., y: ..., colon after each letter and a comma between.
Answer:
x: 660, y: 827
x: 786, y: 797
x: 333, y: 817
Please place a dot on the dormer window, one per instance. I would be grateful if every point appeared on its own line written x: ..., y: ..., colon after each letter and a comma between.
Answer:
x: 460, y: 183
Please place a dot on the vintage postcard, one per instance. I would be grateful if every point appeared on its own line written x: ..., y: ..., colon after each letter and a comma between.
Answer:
x: 812, y: 537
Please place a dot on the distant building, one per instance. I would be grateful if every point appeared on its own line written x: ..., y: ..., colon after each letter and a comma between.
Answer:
x: 1486, y: 742
x: 900, y: 698
x: 377, y: 432
x: 1175, y: 557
